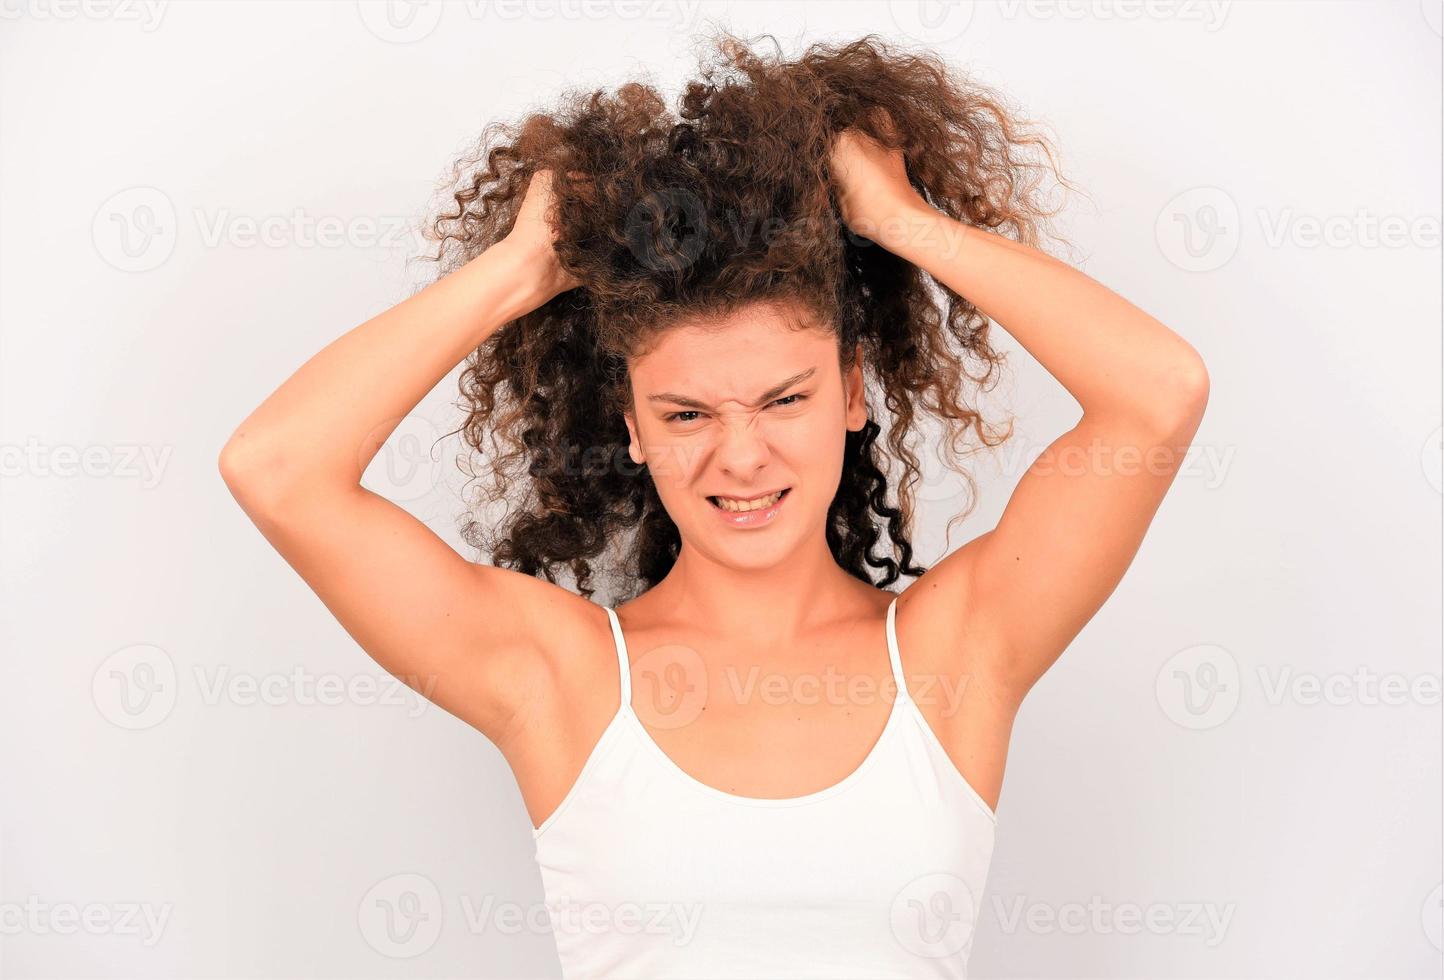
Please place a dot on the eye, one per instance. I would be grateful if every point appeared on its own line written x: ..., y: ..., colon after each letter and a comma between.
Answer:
x: 786, y: 401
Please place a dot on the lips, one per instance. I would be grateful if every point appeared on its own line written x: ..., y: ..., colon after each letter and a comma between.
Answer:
x: 759, y: 516
x: 753, y: 496
x: 716, y: 500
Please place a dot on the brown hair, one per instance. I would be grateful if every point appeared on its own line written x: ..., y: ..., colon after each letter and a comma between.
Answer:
x: 724, y: 204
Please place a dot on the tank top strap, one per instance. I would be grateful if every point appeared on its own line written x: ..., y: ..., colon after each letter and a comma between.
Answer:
x: 624, y: 666
x: 892, y: 651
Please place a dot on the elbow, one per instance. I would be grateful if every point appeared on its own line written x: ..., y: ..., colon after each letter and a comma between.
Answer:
x: 252, y: 472
x: 1183, y: 396
x: 268, y: 478
x: 237, y: 461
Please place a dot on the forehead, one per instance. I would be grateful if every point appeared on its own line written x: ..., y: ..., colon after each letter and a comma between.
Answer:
x: 735, y: 356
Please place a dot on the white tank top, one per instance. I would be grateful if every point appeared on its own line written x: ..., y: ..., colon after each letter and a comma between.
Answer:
x: 649, y: 872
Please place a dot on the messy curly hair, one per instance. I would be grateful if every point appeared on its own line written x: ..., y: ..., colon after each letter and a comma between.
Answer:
x: 723, y: 205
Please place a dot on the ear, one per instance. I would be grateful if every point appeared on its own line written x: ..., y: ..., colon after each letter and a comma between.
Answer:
x: 855, y: 393
x: 634, y: 448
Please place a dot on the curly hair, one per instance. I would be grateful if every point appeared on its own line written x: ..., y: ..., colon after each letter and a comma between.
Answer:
x: 726, y: 204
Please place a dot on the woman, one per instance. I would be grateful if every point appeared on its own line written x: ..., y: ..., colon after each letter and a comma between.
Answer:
x: 688, y: 361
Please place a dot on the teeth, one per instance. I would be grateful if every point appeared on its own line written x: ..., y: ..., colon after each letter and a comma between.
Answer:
x: 741, y: 507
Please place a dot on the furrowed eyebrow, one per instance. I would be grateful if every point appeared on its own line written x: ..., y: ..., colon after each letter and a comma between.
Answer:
x: 763, y: 399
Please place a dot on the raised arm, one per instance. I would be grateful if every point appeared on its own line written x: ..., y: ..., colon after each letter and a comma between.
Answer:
x: 1024, y: 590
x: 465, y: 635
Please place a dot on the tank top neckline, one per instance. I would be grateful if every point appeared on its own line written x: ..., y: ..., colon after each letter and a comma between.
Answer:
x: 628, y: 716
x: 886, y: 878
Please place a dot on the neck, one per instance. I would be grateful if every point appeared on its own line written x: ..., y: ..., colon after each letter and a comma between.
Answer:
x: 761, y: 606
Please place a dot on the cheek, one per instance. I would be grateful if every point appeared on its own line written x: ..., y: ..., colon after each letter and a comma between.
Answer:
x: 675, y: 461
x: 813, y: 444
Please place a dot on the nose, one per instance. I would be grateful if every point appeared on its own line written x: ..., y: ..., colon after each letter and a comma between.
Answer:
x: 742, y: 447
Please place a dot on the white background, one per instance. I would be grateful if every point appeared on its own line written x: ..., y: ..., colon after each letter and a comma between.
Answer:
x: 1175, y: 760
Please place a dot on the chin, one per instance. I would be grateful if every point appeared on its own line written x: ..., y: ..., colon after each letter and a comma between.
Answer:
x: 757, y: 549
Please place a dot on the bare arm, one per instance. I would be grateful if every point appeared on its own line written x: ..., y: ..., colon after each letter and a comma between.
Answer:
x: 1077, y: 517
x: 1079, y: 514
x: 464, y: 635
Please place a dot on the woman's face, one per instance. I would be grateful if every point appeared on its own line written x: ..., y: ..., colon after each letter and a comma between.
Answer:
x: 744, y: 409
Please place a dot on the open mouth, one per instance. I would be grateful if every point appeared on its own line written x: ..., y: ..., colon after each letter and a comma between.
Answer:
x: 734, y: 506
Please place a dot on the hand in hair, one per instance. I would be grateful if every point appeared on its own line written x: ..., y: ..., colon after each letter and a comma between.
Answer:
x: 534, y: 235
x: 871, y: 181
